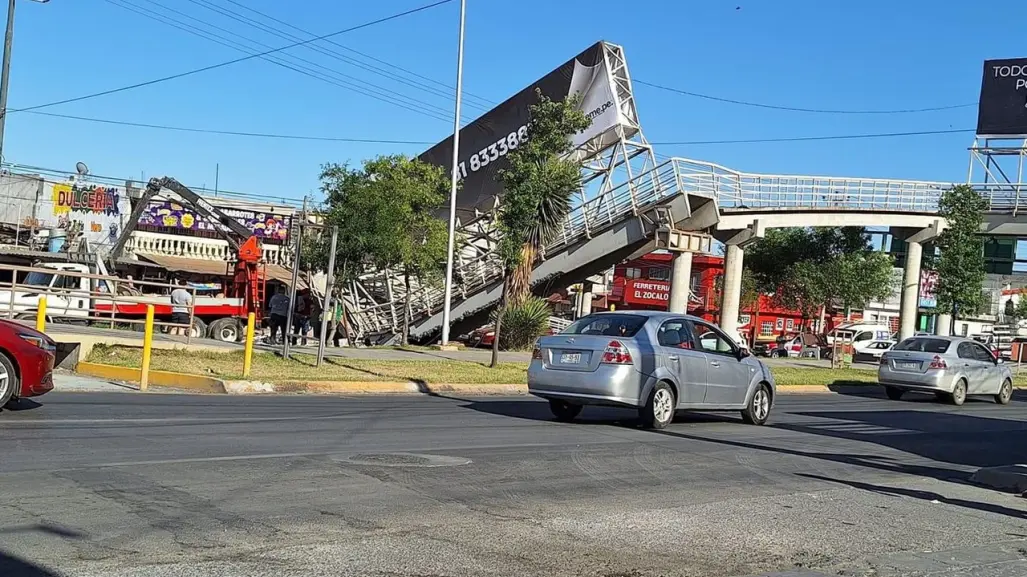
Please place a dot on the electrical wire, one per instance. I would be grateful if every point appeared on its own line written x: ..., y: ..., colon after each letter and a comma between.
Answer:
x: 337, y: 55
x: 296, y: 64
x: 229, y: 132
x: 798, y: 109
x: 233, y: 61
x: 814, y: 138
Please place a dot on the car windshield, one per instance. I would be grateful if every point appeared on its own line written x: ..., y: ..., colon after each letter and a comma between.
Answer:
x: 607, y: 325
x: 923, y: 345
x: 38, y: 279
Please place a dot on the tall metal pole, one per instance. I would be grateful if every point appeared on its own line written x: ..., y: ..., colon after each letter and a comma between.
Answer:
x: 455, y: 177
x: 329, y: 281
x: 5, y: 72
x: 295, y: 280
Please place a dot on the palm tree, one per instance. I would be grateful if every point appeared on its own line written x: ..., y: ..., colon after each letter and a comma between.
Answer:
x: 538, y: 187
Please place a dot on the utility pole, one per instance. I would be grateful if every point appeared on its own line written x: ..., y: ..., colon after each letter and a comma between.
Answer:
x: 455, y: 176
x: 329, y: 281
x: 6, y: 72
x: 295, y: 279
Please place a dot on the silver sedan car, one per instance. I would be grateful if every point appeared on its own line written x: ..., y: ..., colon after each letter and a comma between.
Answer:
x: 655, y: 362
x: 949, y: 367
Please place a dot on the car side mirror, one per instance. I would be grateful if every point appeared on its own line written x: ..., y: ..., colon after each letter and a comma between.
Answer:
x: 999, y: 360
x: 743, y: 352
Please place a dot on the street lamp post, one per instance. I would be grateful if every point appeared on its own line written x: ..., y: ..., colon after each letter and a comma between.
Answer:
x: 6, y: 71
x: 455, y: 176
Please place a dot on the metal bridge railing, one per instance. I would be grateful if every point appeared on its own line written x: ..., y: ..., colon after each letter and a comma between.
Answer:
x: 741, y: 190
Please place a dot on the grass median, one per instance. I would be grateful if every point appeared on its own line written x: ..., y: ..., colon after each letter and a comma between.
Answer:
x: 268, y: 367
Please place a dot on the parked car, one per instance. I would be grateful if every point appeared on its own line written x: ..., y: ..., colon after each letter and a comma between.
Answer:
x: 873, y: 351
x: 654, y: 362
x: 26, y: 362
x: 949, y: 367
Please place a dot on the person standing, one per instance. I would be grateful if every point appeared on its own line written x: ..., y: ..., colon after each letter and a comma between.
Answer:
x: 279, y: 308
x: 301, y: 316
x: 181, y: 300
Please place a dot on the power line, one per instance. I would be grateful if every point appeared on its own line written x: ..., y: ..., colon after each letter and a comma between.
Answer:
x: 485, y: 101
x: 234, y: 61
x: 228, y: 132
x: 797, y: 109
x: 278, y: 31
x: 812, y: 138
x: 370, y: 90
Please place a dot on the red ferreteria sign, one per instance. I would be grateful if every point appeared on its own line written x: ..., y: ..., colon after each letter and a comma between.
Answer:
x: 647, y: 292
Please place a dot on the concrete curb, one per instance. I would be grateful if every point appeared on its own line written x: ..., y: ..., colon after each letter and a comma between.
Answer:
x: 186, y: 381
x: 1008, y: 478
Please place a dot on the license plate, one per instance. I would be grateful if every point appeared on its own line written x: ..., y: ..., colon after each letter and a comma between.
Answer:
x: 908, y: 365
x: 570, y: 358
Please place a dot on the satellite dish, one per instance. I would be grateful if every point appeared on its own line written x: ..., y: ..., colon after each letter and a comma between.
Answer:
x: 81, y: 168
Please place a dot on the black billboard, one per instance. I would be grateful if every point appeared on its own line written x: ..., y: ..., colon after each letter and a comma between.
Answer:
x: 485, y: 142
x: 1002, y: 110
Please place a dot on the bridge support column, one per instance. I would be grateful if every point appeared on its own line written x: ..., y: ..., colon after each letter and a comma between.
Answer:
x: 680, y: 282
x: 943, y: 325
x: 584, y: 299
x: 732, y: 290
x: 910, y: 303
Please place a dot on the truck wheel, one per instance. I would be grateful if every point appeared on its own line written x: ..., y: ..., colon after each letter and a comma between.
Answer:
x: 199, y: 329
x: 227, y: 330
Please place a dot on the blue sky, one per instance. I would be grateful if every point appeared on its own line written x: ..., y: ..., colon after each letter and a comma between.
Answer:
x: 803, y: 53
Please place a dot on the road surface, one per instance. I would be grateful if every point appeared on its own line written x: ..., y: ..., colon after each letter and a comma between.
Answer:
x: 140, y: 485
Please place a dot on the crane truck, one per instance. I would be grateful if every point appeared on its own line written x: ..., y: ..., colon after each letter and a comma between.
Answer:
x: 79, y: 298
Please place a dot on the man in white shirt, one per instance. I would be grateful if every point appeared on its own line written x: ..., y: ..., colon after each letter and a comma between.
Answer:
x: 181, y: 300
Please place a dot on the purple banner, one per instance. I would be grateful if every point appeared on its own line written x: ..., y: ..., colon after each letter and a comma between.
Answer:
x: 168, y: 214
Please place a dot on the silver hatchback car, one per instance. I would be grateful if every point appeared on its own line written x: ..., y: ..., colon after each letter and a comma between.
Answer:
x: 656, y: 362
x: 949, y: 367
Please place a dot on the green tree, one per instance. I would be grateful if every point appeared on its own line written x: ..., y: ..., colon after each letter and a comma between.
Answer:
x: 538, y: 186
x: 809, y: 268
x: 386, y: 217
x: 960, y: 265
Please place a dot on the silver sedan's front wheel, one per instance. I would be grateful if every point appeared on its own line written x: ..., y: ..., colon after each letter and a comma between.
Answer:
x: 658, y: 411
x: 758, y: 410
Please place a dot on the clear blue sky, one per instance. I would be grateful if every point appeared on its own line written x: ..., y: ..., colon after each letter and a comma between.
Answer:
x: 871, y: 54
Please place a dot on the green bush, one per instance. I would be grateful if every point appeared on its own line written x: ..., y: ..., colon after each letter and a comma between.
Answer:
x: 523, y: 324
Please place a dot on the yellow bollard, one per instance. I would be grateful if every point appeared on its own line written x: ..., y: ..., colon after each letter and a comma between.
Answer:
x: 41, y: 314
x: 613, y: 307
x: 247, y: 359
x: 144, y: 371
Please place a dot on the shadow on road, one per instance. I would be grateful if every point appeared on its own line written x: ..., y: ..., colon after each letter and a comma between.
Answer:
x: 11, y: 566
x: 922, y: 495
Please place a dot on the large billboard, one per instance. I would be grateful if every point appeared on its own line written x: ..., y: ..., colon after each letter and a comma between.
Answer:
x: 170, y: 216
x: 1003, y: 105
x: 485, y: 142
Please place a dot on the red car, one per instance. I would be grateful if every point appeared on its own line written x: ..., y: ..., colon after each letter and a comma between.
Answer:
x: 26, y: 362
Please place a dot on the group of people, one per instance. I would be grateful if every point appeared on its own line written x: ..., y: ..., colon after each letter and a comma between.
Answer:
x: 306, y: 312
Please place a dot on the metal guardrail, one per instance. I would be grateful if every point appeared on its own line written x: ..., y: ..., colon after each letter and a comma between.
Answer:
x: 108, y: 301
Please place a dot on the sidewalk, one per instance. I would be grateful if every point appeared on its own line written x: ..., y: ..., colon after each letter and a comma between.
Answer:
x: 64, y: 381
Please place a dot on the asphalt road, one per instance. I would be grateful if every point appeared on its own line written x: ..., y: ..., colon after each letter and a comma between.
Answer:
x: 134, y: 485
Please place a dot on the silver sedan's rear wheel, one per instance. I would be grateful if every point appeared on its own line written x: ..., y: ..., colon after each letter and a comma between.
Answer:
x: 564, y: 411
x: 758, y: 410
x: 658, y: 411
x: 1005, y: 394
x: 958, y: 395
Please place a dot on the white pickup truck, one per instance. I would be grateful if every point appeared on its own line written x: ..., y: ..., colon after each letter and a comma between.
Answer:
x: 78, y: 299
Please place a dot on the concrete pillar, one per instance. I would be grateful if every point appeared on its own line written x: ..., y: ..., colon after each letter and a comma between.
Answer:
x: 586, y: 299
x: 910, y: 303
x: 943, y: 325
x: 732, y: 293
x: 680, y: 282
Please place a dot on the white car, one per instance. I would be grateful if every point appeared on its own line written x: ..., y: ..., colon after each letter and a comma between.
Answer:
x: 873, y: 351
